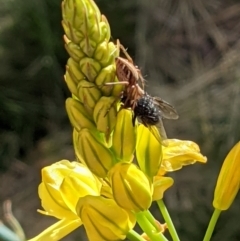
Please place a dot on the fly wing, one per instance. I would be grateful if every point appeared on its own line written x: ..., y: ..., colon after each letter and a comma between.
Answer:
x: 166, y: 109
x: 159, y: 132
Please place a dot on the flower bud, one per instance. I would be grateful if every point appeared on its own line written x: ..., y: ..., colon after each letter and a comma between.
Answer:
x: 62, y: 184
x: 124, y: 136
x: 74, y: 71
x: 90, y: 26
x: 103, y: 219
x: 160, y: 185
x: 71, y: 33
x: 90, y: 68
x: 105, y: 53
x: 228, y: 182
x: 148, y: 151
x: 78, y: 115
x: 117, y: 89
x: 88, y: 94
x: 180, y: 153
x: 132, y: 190
x: 105, y: 114
x: 106, y: 75
x: 73, y: 50
x: 93, y: 152
x: 71, y: 82
x: 88, y: 46
x: 106, y: 31
x: 82, y: 16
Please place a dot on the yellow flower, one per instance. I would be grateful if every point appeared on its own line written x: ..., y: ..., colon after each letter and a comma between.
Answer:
x: 131, y: 188
x: 228, y: 182
x: 103, y: 219
x: 180, y: 153
x: 63, y: 183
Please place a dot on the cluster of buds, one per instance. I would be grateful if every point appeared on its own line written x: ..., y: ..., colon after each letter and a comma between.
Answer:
x: 105, y: 191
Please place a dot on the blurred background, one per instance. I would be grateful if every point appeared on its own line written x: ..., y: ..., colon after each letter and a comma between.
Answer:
x: 189, y: 53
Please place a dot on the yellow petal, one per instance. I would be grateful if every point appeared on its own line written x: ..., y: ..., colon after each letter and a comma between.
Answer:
x: 160, y: 185
x: 58, y: 230
x: 180, y: 153
x: 228, y: 182
x: 53, y: 203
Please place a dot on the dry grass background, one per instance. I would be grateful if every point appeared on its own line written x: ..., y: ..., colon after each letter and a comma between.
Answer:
x: 189, y: 53
x: 194, y: 46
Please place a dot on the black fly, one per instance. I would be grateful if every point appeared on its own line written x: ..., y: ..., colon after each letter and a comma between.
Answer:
x: 151, y: 110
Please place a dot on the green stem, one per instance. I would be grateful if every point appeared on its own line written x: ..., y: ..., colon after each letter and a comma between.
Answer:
x: 6, y: 234
x: 151, y: 219
x: 168, y: 220
x: 212, y: 225
x: 12, y: 221
x: 134, y: 236
x: 148, y: 228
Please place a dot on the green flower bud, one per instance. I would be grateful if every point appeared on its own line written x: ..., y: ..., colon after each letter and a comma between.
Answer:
x: 90, y: 26
x: 124, y: 136
x: 117, y: 89
x: 90, y: 68
x: 106, y: 31
x: 71, y: 33
x: 71, y: 82
x: 73, y: 50
x: 131, y: 188
x: 105, y: 53
x: 148, y: 151
x: 88, y: 46
x: 106, y: 75
x: 84, y: 18
x: 78, y: 115
x: 94, y: 10
x: 98, y: 32
x: 73, y: 17
x: 103, y: 219
x: 105, y: 114
x: 93, y: 152
x: 81, y: 15
x: 88, y: 94
x: 74, y: 71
